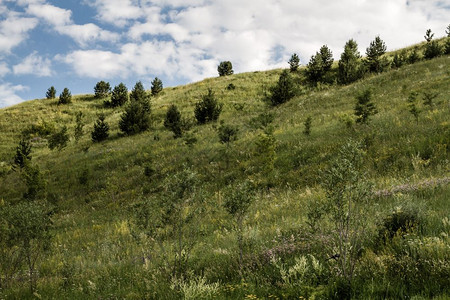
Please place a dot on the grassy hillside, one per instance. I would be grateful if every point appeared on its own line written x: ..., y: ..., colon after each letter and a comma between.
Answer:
x: 107, y: 237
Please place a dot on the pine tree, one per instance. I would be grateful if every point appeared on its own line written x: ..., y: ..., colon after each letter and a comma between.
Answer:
x: 101, y: 129
x: 428, y: 36
x: 208, y: 109
x: 225, y: 68
x: 284, y: 90
x: 432, y: 50
x: 364, y: 107
x: 350, y: 66
x: 374, y: 54
x: 157, y: 86
x: 173, y: 121
x: 59, y: 139
x: 136, y: 117
x: 413, y: 57
x: 51, y: 93
x: 294, y: 62
x: 447, y: 31
x: 102, y: 89
x: 23, y: 154
x: 327, y: 58
x: 65, y: 97
x: 119, y: 95
x: 307, y: 130
x: 78, y: 125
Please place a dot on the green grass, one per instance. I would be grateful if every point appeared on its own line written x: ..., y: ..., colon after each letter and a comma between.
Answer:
x: 98, y: 252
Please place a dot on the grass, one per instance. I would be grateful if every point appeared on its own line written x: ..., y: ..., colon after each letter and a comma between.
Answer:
x: 97, y: 251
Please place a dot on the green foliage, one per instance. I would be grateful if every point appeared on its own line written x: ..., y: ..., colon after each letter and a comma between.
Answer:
x: 364, y: 107
x: 399, y: 60
x: 447, y: 46
x: 347, y: 193
x: 102, y: 89
x: 119, y: 95
x: 34, y: 182
x: 231, y: 87
x: 28, y: 229
x: 41, y: 129
x: 65, y: 97
x: 401, y: 221
x: 136, y: 117
x: 428, y: 98
x: 51, y: 93
x: 294, y: 62
x: 225, y: 68
x: 101, y: 129
x: 319, y: 65
x: 447, y: 31
x: 157, y: 86
x: 307, y: 124
x: 173, y: 121
x: 375, y: 61
x: 227, y: 133
x: 413, y: 105
x: 350, y: 65
x: 208, y: 109
x: 23, y: 154
x: 78, y: 125
x: 59, y: 139
x: 284, y: 90
x: 262, y: 121
x: 432, y: 49
x: 413, y: 56
x: 428, y: 36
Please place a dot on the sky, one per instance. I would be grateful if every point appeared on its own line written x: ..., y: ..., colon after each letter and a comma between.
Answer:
x: 75, y: 44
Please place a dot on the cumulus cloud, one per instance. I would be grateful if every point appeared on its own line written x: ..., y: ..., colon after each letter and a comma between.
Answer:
x: 117, y: 12
x: 34, y: 64
x: 61, y: 20
x: 4, y: 69
x: 14, y: 30
x: 8, y: 94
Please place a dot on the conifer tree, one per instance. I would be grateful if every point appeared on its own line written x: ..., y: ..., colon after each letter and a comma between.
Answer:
x: 78, y: 125
x: 225, y: 68
x: 428, y: 36
x: 102, y: 89
x: 327, y: 58
x: 65, y: 97
x: 23, y: 154
x: 284, y: 90
x: 119, y: 95
x: 51, y: 93
x: 59, y: 139
x: 136, y: 117
x: 173, y: 121
x: 319, y: 65
x: 374, y: 53
x: 364, y: 107
x: 447, y: 31
x: 101, y: 129
x: 350, y: 65
x: 308, y: 122
x: 208, y: 109
x: 294, y: 62
x: 157, y: 86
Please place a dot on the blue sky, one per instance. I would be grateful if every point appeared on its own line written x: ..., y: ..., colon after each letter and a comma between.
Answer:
x: 74, y: 44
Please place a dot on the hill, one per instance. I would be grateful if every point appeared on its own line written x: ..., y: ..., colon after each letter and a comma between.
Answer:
x: 151, y: 216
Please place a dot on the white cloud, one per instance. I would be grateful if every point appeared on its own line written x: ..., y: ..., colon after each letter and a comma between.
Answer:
x: 61, y: 20
x: 4, y: 69
x: 117, y: 12
x: 14, y: 30
x: 34, y: 64
x: 8, y: 94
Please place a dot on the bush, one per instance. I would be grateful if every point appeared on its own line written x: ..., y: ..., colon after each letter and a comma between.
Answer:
x: 119, y: 95
x: 364, y: 107
x: 102, y: 89
x: 284, y: 90
x: 208, y: 109
x: 51, y: 93
x: 227, y: 133
x: 173, y: 121
x: 399, y: 222
x: 65, y: 97
x: 432, y: 50
x: 23, y: 154
x: 101, y: 129
x: 225, y: 68
x: 157, y: 86
x: 59, y: 139
x: 78, y: 125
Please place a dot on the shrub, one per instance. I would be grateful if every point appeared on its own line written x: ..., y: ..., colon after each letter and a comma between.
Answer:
x: 225, y: 68
x: 119, y: 95
x: 59, y: 139
x: 399, y: 222
x: 136, y: 117
x: 208, y: 109
x: 65, y: 97
x: 432, y: 50
x: 307, y: 130
x: 364, y: 107
x: 227, y: 133
x: 157, y: 86
x: 102, y: 89
x: 399, y: 60
x: 413, y: 57
x: 413, y: 105
x: 294, y: 62
x: 101, y: 129
x: 51, y: 93
x: 284, y: 90
x: 78, y: 125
